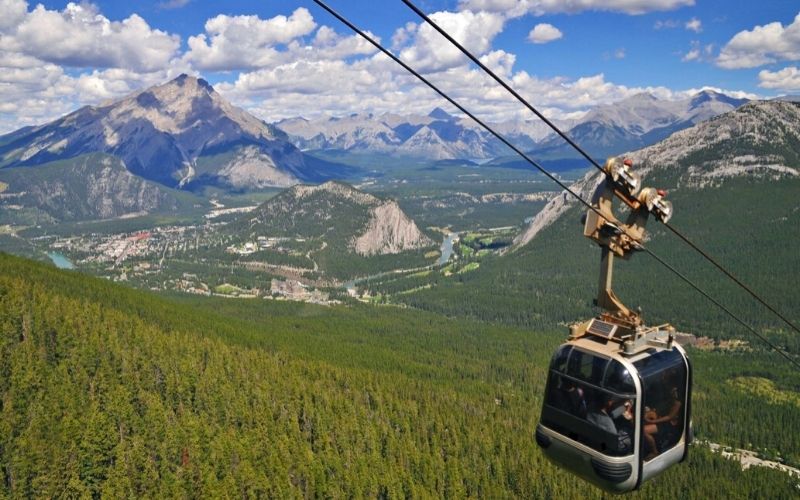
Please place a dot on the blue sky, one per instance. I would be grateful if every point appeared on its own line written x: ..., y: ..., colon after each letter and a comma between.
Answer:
x: 289, y: 58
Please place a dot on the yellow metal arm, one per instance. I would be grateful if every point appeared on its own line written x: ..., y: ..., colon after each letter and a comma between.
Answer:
x: 615, y: 237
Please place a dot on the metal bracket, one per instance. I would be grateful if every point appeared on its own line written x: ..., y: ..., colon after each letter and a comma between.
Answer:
x: 619, y: 323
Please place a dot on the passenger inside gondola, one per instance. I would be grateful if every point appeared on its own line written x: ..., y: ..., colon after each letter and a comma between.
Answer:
x: 600, y: 416
x: 662, y: 431
x: 575, y: 399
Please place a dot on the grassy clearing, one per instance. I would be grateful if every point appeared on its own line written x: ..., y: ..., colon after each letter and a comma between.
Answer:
x: 469, y: 267
x: 228, y: 289
x: 766, y: 389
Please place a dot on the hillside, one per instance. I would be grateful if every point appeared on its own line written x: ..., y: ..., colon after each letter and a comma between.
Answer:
x: 340, y: 212
x: 759, y: 141
x: 339, y: 227
x: 114, y: 392
x: 734, y: 186
x: 89, y: 186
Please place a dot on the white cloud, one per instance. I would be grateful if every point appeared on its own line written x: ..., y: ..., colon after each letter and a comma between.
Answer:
x: 699, y: 53
x: 762, y: 45
x: 694, y: 24
x: 786, y: 79
x: 40, y: 49
x: 516, y: 8
x: 12, y: 12
x: 666, y: 24
x: 692, y: 55
x: 544, y: 33
x: 499, y: 61
x: 289, y: 66
x: 429, y: 51
x: 403, y: 35
x: 79, y: 36
x: 327, y: 45
x: 245, y: 42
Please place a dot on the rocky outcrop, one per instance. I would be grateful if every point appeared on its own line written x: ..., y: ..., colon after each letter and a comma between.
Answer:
x: 390, y: 231
x: 558, y: 206
x: 340, y: 215
x: 758, y: 139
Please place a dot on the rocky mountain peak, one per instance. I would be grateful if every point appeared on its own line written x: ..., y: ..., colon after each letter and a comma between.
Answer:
x: 440, y: 114
x: 641, y: 97
x: 187, y: 104
x: 708, y: 96
x: 163, y: 133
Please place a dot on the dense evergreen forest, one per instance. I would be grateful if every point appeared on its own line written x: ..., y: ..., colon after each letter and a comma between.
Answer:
x: 750, y: 227
x: 107, y: 391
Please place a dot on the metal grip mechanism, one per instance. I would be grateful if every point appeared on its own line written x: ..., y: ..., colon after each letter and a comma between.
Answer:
x: 618, y: 238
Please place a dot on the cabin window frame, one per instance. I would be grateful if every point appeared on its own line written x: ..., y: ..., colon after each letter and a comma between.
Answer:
x: 578, y: 428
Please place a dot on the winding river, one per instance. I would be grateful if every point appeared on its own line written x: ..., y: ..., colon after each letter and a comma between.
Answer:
x: 446, y: 249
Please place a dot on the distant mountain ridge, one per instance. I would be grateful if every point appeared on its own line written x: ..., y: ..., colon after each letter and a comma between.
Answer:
x: 437, y: 136
x: 759, y: 139
x: 631, y: 123
x: 637, y: 122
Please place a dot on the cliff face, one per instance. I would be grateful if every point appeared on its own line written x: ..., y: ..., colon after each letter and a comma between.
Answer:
x: 87, y: 187
x: 390, y: 231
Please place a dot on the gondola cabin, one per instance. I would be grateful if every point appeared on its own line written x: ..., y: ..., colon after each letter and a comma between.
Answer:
x: 612, y: 418
x: 617, y: 404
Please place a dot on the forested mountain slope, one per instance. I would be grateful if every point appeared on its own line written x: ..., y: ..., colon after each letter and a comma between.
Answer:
x: 733, y: 181
x: 347, y: 232
x: 110, y: 391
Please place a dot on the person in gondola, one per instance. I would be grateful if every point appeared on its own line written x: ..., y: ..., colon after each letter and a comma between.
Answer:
x: 662, y: 427
x: 601, y: 416
x: 576, y: 399
x: 623, y: 419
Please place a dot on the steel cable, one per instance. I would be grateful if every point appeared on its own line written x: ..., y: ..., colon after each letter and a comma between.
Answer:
x: 505, y: 141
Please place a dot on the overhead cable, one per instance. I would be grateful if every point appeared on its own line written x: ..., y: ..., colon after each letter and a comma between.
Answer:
x: 544, y: 171
x: 594, y: 162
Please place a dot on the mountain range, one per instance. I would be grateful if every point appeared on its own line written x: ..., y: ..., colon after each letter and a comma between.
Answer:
x: 143, y: 153
x: 636, y: 122
x: 631, y: 123
x: 437, y: 135
x: 758, y: 140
